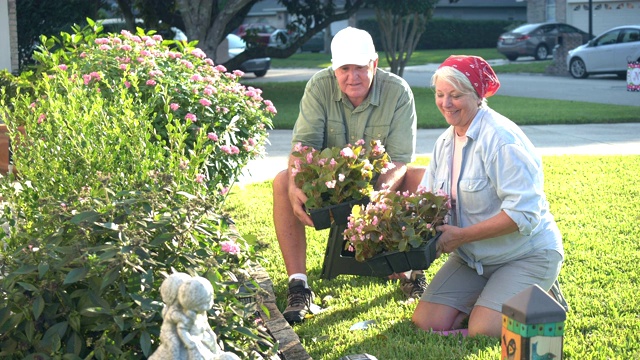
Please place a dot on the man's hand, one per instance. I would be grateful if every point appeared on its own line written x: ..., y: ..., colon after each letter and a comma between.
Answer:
x: 298, y: 198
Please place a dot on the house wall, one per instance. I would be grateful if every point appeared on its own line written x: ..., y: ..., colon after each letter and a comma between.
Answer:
x: 5, y: 36
x: 605, y: 14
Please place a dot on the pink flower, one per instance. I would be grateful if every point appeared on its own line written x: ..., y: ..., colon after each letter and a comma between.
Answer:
x: 62, y: 67
x: 127, y: 84
x: 230, y: 247
x: 212, y: 136
x: 41, y: 118
x: 105, y: 47
x: 198, y: 53
x: 151, y: 82
x: 174, y: 106
x: 347, y: 152
x: 341, y: 177
x: 101, y: 41
x: 272, y: 109
x: 226, y: 149
x: 200, y: 178
x: 126, y: 47
x: 86, y: 78
x: 191, y: 117
x: 331, y: 184
x: 205, y: 102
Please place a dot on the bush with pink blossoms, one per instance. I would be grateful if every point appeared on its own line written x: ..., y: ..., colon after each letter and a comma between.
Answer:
x: 395, y: 221
x: 336, y: 175
x: 180, y: 83
x: 129, y: 150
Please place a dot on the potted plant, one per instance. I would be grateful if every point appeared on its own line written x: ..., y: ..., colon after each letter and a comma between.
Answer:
x: 335, y: 179
x: 396, y: 231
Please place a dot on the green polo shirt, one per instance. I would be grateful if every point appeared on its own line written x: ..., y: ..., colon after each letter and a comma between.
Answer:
x: 327, y: 118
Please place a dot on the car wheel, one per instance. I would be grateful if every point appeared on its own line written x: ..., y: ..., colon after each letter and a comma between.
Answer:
x: 541, y: 52
x: 577, y: 69
x: 512, y: 57
x: 260, y: 73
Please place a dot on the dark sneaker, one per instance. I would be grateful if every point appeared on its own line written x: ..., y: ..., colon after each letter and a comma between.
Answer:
x: 556, y: 294
x: 298, y: 302
x: 414, y: 286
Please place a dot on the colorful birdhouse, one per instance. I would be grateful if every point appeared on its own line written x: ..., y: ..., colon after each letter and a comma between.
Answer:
x: 532, y: 326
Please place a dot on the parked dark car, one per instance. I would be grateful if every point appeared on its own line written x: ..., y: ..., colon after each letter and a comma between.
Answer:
x: 315, y: 44
x: 257, y: 66
x: 264, y: 34
x: 608, y: 53
x: 537, y: 40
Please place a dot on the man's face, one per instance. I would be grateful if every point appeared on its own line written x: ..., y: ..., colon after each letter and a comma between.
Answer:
x: 355, y: 80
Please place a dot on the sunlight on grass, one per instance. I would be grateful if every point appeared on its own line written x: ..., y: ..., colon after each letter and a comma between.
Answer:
x: 595, y: 202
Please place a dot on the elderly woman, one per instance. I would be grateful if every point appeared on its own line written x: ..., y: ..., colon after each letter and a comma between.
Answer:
x: 501, y: 237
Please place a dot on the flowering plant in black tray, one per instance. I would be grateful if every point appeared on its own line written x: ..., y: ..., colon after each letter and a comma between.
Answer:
x: 395, y: 221
x: 337, y: 175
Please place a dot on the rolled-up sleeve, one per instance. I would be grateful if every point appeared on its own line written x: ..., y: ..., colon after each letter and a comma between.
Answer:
x: 519, y: 184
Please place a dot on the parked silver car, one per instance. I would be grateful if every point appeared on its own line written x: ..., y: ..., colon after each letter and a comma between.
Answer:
x: 608, y: 53
x: 537, y: 40
x: 257, y: 66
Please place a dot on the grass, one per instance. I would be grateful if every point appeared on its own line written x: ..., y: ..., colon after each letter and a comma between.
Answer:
x: 594, y: 200
x: 421, y: 57
x: 524, y: 111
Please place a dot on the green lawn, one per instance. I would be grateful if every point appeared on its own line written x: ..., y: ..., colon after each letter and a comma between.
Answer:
x: 524, y: 111
x: 595, y: 202
x: 421, y: 57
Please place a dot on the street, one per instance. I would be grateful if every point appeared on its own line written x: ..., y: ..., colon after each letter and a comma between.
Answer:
x: 595, y: 89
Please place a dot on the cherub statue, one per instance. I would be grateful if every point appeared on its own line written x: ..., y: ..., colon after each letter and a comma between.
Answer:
x: 185, y: 333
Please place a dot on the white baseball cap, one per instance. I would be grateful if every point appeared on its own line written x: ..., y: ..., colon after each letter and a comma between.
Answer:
x: 352, y: 46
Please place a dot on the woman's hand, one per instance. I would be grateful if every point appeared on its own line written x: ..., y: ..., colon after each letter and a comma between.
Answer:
x: 451, y: 238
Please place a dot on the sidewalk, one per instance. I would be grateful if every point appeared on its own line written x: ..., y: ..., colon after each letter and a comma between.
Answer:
x: 589, y: 139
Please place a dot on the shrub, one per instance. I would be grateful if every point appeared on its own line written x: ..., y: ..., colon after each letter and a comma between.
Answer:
x: 115, y: 190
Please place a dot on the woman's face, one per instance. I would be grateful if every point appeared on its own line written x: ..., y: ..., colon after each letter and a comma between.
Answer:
x: 355, y: 81
x: 458, y: 108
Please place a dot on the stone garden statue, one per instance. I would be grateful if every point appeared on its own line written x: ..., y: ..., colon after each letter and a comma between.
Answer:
x: 185, y: 333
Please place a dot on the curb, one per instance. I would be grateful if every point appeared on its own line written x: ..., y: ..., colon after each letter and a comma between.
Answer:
x: 288, y: 340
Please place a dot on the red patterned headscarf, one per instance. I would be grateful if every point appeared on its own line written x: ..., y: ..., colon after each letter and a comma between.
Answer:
x: 479, y: 72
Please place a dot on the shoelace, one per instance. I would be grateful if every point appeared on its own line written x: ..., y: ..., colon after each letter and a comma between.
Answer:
x: 299, y: 297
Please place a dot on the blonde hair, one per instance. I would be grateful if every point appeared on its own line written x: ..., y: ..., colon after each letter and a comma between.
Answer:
x: 458, y: 80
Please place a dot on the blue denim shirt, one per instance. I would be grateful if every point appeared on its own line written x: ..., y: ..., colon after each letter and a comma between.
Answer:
x: 500, y: 170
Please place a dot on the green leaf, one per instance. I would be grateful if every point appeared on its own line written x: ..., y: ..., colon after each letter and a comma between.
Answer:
x: 75, y: 275
x: 26, y: 269
x: 246, y: 332
x: 43, y: 268
x: 38, y: 306
x: 162, y: 238
x: 109, y: 278
x: 89, y: 216
x: 145, y: 343
x: 56, y: 330
x: 27, y: 286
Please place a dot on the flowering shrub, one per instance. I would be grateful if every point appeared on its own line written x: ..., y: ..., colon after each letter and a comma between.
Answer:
x: 180, y: 84
x: 395, y: 221
x: 118, y: 186
x: 335, y: 175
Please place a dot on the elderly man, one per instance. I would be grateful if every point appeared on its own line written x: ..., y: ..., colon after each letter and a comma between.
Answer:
x: 349, y: 101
